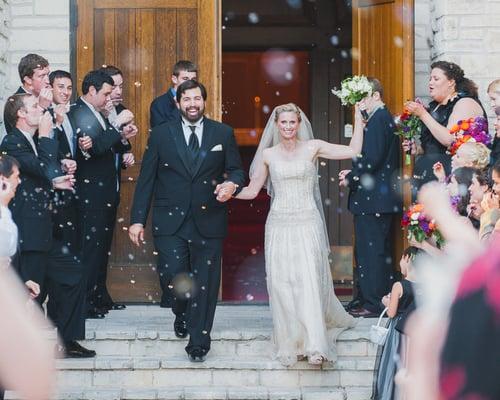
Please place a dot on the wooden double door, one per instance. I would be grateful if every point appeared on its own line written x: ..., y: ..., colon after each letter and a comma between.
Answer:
x: 144, y: 38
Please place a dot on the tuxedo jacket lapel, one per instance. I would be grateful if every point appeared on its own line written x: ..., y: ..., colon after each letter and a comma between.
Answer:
x: 180, y: 144
x: 206, y: 142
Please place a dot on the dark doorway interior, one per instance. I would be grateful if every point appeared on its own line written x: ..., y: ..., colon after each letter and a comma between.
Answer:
x: 275, y: 52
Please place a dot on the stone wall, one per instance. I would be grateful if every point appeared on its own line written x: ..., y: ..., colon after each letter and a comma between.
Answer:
x: 4, y: 46
x: 423, y: 46
x: 38, y: 26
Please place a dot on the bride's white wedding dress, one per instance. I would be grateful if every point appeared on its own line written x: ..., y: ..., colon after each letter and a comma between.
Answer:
x: 307, y: 315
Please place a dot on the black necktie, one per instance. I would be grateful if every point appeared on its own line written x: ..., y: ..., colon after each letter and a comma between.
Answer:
x: 194, y: 145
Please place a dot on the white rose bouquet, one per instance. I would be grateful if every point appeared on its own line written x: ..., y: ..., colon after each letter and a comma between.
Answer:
x: 353, y: 90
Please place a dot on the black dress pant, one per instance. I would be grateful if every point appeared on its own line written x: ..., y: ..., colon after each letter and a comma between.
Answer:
x: 374, y: 271
x: 60, y: 275
x: 190, y: 266
x: 96, y: 231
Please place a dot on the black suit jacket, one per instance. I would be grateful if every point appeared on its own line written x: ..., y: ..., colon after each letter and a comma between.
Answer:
x: 177, y: 189
x: 32, y: 205
x: 163, y: 109
x: 374, y: 180
x: 97, y: 176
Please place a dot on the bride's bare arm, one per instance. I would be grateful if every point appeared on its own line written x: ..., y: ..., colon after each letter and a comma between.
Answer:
x: 257, y: 181
x: 333, y: 151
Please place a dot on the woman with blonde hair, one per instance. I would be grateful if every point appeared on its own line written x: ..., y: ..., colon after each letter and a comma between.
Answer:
x: 307, y: 316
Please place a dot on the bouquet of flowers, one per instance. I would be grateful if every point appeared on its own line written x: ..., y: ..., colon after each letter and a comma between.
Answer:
x: 469, y: 130
x: 354, y: 89
x: 419, y: 226
x: 408, y: 127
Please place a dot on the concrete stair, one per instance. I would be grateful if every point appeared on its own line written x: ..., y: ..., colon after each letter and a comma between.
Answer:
x: 140, y: 358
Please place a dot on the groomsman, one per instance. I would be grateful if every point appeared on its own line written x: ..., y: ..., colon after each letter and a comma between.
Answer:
x: 185, y: 161
x: 42, y: 258
x: 164, y: 108
x: 34, y: 74
x: 374, y: 200
x: 97, y: 177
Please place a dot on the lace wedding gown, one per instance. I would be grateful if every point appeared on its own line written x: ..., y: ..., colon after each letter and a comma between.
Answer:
x: 307, y: 316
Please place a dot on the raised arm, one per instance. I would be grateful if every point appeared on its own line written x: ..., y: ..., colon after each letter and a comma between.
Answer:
x: 257, y: 181
x: 332, y: 151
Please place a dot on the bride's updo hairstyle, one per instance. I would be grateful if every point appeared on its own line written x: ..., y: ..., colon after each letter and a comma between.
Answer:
x: 290, y: 107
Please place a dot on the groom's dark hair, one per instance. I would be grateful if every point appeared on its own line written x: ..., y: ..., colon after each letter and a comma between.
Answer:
x: 376, y: 86
x: 185, y: 86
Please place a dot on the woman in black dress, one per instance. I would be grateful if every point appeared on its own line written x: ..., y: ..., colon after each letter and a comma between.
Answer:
x: 454, y: 98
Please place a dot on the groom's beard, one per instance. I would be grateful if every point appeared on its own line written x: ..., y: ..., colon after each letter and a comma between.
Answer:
x: 191, y: 118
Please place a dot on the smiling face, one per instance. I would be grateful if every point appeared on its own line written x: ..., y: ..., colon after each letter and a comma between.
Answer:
x: 440, y: 87
x: 192, y: 105
x: 288, y: 125
x: 62, y: 90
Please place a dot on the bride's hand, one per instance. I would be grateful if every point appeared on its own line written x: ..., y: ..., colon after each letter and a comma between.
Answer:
x: 342, y: 177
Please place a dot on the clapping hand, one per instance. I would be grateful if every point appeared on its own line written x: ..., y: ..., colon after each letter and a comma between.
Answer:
x: 225, y: 191
x: 68, y: 166
x: 439, y: 172
x: 64, y: 182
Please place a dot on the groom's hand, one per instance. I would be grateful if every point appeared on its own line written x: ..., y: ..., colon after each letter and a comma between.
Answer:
x: 136, y: 234
x: 225, y: 191
x: 342, y: 177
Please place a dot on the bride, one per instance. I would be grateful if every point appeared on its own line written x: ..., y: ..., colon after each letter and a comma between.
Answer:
x: 307, y: 316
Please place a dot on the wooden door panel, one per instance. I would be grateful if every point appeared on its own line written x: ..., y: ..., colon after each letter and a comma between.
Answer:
x: 144, y: 38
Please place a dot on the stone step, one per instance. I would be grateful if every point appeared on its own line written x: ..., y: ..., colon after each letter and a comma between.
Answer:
x: 147, y: 372
x: 214, y: 393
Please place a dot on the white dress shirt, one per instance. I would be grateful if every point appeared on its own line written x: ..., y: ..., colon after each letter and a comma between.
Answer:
x: 187, y: 130
x: 96, y: 113
x: 8, y: 233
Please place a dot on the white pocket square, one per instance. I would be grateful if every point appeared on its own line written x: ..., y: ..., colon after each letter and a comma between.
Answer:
x: 217, y: 147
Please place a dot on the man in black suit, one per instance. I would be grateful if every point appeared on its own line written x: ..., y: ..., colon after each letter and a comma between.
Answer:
x: 374, y: 199
x: 97, y: 176
x: 164, y: 108
x: 184, y: 162
x: 34, y: 74
x: 42, y: 258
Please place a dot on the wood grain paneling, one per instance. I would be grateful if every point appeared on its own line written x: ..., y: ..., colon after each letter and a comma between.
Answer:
x: 144, y: 38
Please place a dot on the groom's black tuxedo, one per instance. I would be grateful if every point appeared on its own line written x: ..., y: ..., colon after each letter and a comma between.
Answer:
x: 188, y: 223
x: 375, y: 199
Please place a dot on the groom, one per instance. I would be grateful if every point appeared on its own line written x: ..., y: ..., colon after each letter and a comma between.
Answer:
x: 185, y: 162
x: 374, y: 201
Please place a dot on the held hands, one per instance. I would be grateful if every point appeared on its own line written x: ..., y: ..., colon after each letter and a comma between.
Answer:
x: 128, y: 160
x: 225, y: 191
x: 45, y: 98
x: 68, y: 166
x: 439, y: 172
x: 33, y: 289
x: 343, y: 181
x: 45, y: 125
x: 64, y: 182
x: 136, y: 234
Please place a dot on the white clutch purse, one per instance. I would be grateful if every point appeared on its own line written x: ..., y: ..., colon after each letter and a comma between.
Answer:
x: 378, y: 333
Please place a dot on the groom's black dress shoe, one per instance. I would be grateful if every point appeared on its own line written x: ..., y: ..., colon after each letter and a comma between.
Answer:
x: 354, y: 303
x: 73, y: 349
x: 95, y: 313
x: 196, y: 355
x: 114, y: 306
x: 180, y: 328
